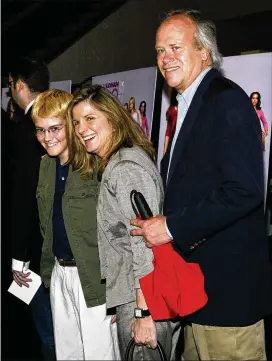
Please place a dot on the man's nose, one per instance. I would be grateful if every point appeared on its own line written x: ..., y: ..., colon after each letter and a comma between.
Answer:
x: 168, y: 56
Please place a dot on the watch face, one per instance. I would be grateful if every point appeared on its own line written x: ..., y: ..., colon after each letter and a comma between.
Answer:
x: 138, y: 313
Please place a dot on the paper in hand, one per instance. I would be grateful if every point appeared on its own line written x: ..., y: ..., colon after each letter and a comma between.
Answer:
x: 26, y: 293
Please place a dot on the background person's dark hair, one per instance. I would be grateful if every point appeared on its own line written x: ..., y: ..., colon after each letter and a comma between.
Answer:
x: 258, y: 105
x: 143, y: 102
x: 33, y: 72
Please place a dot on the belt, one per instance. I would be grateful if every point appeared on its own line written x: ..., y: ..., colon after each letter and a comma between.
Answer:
x: 67, y: 262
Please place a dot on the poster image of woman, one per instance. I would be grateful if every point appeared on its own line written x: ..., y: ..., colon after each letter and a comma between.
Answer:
x: 171, y: 118
x: 255, y: 98
x: 144, y: 123
x: 136, y: 115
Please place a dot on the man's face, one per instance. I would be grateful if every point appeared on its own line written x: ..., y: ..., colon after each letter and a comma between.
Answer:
x: 14, y: 89
x: 11, y: 85
x: 178, y: 58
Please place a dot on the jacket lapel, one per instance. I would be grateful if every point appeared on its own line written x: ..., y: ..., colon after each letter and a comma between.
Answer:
x: 49, y: 175
x: 189, y: 121
x: 165, y: 159
x: 51, y: 184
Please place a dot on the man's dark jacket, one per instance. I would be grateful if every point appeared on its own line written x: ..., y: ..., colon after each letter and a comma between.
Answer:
x: 214, y: 203
x: 26, y: 157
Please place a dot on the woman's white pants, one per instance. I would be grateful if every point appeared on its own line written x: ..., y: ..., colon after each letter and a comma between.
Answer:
x: 81, y: 333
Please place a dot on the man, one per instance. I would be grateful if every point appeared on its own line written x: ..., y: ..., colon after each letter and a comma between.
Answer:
x: 27, y: 79
x: 214, y: 191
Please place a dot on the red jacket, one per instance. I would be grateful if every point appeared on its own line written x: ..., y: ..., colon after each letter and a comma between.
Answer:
x: 174, y: 287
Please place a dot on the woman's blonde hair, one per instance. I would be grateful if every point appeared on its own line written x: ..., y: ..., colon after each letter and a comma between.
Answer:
x: 54, y: 103
x: 132, y: 99
x: 126, y: 132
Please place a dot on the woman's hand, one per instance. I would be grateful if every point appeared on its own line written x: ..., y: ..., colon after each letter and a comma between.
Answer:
x: 144, y: 332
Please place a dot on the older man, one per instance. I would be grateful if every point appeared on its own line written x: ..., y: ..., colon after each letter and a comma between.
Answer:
x: 214, y: 191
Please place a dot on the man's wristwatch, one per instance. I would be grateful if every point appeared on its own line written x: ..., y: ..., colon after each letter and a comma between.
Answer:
x: 141, y: 313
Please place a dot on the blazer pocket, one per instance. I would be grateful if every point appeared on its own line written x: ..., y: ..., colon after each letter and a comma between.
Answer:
x: 42, y: 203
x: 81, y: 208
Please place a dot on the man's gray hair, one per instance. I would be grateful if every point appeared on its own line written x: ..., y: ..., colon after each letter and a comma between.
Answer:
x: 205, y: 34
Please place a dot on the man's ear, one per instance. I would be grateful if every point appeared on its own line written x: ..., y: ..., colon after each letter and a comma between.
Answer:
x: 20, y: 85
x: 204, y: 54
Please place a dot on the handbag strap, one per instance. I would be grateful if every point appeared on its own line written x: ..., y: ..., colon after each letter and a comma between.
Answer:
x: 131, y: 346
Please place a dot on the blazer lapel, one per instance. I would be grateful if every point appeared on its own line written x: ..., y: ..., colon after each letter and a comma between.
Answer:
x: 189, y: 121
x: 165, y: 159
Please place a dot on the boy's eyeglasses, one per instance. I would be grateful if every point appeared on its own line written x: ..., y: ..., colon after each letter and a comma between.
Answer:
x: 54, y: 131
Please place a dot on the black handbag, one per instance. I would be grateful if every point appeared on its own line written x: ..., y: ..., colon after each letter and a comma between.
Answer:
x: 131, y: 346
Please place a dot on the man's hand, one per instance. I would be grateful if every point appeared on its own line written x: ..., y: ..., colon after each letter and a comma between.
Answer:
x: 144, y: 332
x: 153, y: 230
x: 21, y: 278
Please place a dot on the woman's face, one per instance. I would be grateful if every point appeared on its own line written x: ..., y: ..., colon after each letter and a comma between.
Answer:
x: 142, y: 108
x: 92, y: 126
x: 254, y: 99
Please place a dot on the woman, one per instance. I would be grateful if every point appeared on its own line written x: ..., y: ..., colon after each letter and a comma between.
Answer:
x: 144, y: 122
x: 255, y: 98
x: 171, y: 118
x: 127, y: 162
x: 136, y: 115
x: 67, y: 196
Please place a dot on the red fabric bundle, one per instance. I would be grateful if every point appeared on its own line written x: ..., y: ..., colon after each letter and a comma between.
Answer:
x: 174, y: 287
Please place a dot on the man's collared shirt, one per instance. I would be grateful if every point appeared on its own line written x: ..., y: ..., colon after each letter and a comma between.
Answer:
x: 29, y: 106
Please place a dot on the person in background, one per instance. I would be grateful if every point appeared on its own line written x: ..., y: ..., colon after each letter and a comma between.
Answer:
x: 5, y: 199
x: 126, y: 162
x: 14, y: 111
x: 144, y: 122
x: 214, y: 194
x: 126, y: 106
x: 67, y: 195
x: 171, y: 118
x: 135, y: 113
x: 255, y: 98
x: 27, y: 79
